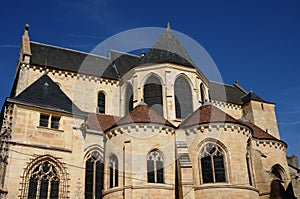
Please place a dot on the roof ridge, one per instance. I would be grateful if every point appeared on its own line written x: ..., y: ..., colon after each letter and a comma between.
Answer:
x: 69, y: 49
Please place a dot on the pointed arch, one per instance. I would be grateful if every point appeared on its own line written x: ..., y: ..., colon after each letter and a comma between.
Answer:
x: 94, y: 173
x: 153, y: 94
x: 113, y: 171
x: 202, y: 93
x: 183, y: 97
x: 155, y: 166
x: 129, y: 98
x: 212, y: 163
x: 45, y: 177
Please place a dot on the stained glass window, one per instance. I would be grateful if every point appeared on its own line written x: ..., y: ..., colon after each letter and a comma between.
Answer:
x: 93, y: 176
x: 101, y: 103
x: 113, y: 172
x: 129, y: 99
x: 212, y: 164
x: 44, y: 182
x: 153, y: 94
x: 155, y: 167
x: 183, y: 97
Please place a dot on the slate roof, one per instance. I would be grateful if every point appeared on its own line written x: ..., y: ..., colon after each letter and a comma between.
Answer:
x: 226, y: 93
x: 143, y: 114
x: 44, y: 93
x: 207, y: 114
x: 75, y: 61
x: 252, y: 96
x: 101, y: 122
x: 167, y: 49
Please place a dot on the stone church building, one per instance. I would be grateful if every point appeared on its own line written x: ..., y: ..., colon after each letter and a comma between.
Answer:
x: 78, y: 125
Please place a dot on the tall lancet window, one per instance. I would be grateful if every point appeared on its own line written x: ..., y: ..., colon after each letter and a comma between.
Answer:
x: 93, y: 176
x: 113, y: 171
x: 183, y: 98
x: 129, y: 99
x: 202, y: 92
x: 155, y: 167
x: 153, y: 94
x: 101, y: 103
x: 212, y: 164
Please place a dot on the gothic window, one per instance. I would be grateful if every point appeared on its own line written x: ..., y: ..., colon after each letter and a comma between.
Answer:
x: 101, y: 103
x: 153, y: 94
x: 44, y: 182
x: 93, y: 176
x: 129, y: 99
x: 113, y: 171
x: 183, y: 97
x: 212, y: 164
x: 202, y: 92
x: 155, y: 167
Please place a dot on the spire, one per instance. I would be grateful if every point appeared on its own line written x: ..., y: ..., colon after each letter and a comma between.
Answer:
x: 168, y: 26
x: 25, y: 49
x: 168, y: 49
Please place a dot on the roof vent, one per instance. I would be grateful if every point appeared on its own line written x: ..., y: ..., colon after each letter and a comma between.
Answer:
x: 206, y: 102
x: 142, y: 103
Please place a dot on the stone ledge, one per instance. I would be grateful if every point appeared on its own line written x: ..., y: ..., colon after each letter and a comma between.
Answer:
x: 147, y: 186
x: 226, y: 186
x: 33, y: 145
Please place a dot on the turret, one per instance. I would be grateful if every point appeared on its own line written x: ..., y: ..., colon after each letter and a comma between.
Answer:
x: 261, y: 113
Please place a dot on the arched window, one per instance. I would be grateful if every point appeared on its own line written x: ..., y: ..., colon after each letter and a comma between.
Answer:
x: 155, y: 167
x: 212, y: 164
x: 44, y: 182
x: 93, y: 176
x: 129, y: 99
x: 45, y: 177
x: 202, y: 92
x: 183, y: 97
x: 153, y: 94
x: 101, y: 103
x: 113, y: 171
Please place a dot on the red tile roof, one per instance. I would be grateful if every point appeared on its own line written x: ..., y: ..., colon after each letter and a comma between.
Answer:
x: 143, y: 114
x: 207, y: 114
x: 101, y: 122
x: 258, y: 132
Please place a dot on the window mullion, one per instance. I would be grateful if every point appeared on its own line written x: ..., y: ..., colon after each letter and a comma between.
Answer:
x: 213, y: 168
x: 49, y: 189
x: 38, y: 189
x: 49, y: 121
x: 94, y: 180
x: 155, y: 170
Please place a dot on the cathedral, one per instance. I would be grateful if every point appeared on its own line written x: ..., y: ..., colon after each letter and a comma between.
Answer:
x: 78, y: 125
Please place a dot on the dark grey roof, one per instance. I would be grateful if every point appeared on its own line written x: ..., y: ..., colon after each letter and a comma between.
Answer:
x: 226, y: 93
x: 84, y: 63
x: 168, y: 49
x: 252, y: 96
x: 44, y: 93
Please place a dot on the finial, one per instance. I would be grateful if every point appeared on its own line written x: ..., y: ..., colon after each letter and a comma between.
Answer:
x: 26, y: 27
x: 168, y: 26
x: 236, y: 82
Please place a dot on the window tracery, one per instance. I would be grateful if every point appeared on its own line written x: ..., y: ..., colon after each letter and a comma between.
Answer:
x: 212, y: 164
x: 155, y: 167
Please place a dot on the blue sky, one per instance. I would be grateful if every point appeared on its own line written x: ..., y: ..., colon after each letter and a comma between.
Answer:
x: 256, y: 42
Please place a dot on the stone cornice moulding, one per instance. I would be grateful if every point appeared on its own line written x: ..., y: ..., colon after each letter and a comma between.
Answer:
x: 74, y: 75
x: 225, y: 126
x: 226, y: 105
x: 141, y: 128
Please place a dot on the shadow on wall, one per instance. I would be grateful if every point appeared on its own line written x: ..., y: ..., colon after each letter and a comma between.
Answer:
x: 278, y: 191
